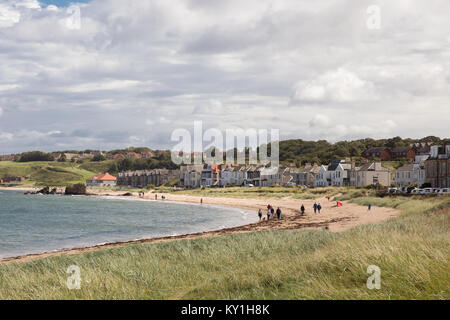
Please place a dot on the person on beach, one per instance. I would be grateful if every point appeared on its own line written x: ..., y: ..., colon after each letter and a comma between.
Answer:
x: 156, y: 196
x: 319, y: 207
x: 260, y: 214
x: 268, y: 214
x: 201, y: 200
x: 370, y: 206
x: 315, y: 207
x: 302, y: 209
x: 278, y: 213
x: 272, y: 211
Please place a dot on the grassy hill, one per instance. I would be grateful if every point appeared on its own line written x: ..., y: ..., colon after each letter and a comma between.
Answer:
x: 412, y: 252
x: 46, y: 173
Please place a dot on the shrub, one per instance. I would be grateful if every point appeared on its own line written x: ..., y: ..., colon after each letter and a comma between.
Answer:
x: 35, y: 156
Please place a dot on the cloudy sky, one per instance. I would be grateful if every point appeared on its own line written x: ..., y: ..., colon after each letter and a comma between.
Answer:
x: 133, y: 71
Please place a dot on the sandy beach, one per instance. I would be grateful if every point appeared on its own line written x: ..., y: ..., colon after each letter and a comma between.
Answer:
x: 335, y: 219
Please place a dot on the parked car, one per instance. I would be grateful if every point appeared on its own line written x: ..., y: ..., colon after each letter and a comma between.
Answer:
x: 428, y: 190
x: 392, y: 190
x: 443, y: 191
x: 415, y: 191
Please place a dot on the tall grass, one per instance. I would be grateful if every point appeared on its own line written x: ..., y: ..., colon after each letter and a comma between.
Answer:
x: 412, y: 252
x: 272, y: 192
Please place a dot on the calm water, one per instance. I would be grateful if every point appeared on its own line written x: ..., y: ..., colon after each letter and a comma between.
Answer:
x: 38, y: 223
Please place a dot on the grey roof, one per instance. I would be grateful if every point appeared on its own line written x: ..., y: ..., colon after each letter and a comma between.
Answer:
x: 334, y: 164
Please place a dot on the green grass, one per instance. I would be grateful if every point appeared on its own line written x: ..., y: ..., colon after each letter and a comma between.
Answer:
x: 412, y: 252
x: 46, y: 173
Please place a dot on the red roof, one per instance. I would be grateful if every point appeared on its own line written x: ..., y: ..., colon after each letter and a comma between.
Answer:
x: 103, y: 177
x: 133, y: 155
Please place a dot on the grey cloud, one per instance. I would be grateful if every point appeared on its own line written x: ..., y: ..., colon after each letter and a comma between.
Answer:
x: 137, y: 70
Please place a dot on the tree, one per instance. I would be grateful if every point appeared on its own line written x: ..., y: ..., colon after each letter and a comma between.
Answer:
x: 98, y: 158
x: 35, y: 156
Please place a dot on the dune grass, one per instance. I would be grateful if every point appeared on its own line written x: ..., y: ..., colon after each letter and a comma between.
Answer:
x: 266, y: 192
x: 412, y: 252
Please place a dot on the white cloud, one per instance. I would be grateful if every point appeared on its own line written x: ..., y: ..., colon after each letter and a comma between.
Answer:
x: 337, y: 86
x: 8, y: 16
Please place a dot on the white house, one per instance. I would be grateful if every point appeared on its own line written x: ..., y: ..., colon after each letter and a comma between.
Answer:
x: 323, y: 178
x: 190, y: 176
x: 419, y: 173
x: 232, y: 175
x: 101, y: 180
x: 339, y: 172
x: 404, y: 176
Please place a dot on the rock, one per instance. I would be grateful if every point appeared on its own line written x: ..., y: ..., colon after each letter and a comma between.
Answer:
x: 45, y: 190
x: 128, y: 194
x: 76, y: 189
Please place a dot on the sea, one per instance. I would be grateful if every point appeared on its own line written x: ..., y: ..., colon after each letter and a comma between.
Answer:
x: 32, y: 224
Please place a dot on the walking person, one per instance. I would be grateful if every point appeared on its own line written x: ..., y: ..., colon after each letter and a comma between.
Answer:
x: 156, y: 196
x: 315, y: 207
x: 272, y: 212
x: 319, y: 207
x: 268, y: 214
x: 302, y: 209
x: 370, y: 206
x: 278, y: 213
x: 260, y: 214
x: 201, y: 200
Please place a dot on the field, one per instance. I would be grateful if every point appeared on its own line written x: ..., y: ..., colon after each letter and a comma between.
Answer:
x: 47, y: 173
x: 412, y: 252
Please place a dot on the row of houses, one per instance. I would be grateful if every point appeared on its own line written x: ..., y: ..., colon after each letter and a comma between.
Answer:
x: 338, y: 173
x: 9, y: 157
x: 408, y: 152
x: 143, y: 178
x: 431, y: 169
x: 345, y: 173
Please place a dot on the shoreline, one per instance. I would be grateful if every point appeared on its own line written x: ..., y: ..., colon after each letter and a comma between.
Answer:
x: 334, y: 219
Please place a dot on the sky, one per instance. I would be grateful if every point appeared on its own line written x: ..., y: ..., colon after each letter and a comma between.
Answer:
x: 128, y: 73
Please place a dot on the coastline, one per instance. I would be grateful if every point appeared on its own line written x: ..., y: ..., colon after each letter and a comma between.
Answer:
x: 335, y: 219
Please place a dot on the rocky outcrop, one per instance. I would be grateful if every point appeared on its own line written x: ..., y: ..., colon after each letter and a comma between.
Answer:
x: 45, y: 190
x: 76, y: 189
